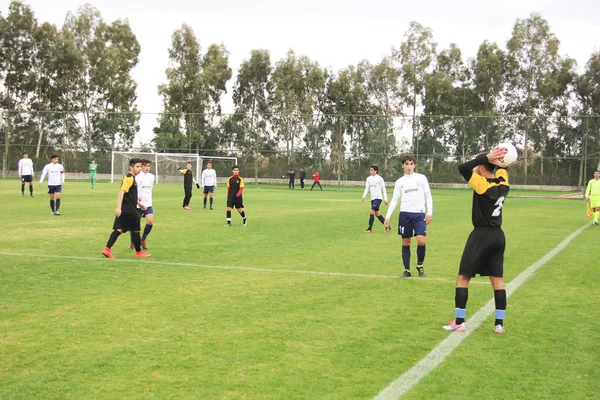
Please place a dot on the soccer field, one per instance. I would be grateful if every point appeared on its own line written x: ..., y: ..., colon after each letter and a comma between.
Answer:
x: 299, y: 304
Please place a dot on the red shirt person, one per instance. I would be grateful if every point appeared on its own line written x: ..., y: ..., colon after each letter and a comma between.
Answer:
x: 317, y: 180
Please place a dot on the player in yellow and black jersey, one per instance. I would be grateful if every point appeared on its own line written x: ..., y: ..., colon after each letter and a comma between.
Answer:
x: 127, y: 218
x: 235, y: 187
x: 484, y: 251
x: 188, y: 181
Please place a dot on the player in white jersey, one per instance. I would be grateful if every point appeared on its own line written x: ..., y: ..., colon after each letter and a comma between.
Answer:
x: 416, y: 211
x: 56, y: 180
x: 376, y: 185
x: 209, y: 183
x: 25, y: 168
x: 145, y: 182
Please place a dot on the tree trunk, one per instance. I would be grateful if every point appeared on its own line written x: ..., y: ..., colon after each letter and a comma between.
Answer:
x: 40, y: 136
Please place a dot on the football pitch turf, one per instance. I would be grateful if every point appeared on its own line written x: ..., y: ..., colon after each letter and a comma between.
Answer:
x: 299, y: 304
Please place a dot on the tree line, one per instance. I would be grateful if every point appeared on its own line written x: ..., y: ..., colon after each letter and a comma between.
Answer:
x: 70, y: 88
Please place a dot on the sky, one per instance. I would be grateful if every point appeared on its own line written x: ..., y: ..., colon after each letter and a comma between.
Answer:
x: 335, y: 33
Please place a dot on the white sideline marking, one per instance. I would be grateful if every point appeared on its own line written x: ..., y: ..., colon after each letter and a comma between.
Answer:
x: 410, y: 378
x: 289, y: 271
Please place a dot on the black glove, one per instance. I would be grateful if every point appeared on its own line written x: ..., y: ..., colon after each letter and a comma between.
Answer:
x: 198, y: 185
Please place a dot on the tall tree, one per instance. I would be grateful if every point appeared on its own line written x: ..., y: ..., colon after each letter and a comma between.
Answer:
x: 17, y: 48
x: 415, y: 55
x: 192, y: 94
x: 383, y: 87
x: 588, y: 96
x: 533, y: 62
x: 251, y: 100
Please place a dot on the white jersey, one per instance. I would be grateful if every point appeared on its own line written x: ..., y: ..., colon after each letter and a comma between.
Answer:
x: 415, y: 193
x: 145, y: 183
x: 377, y: 187
x: 56, y: 174
x: 25, y: 166
x: 209, y: 177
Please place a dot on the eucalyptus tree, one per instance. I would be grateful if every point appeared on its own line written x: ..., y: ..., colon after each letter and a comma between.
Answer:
x: 191, y: 96
x: 416, y: 56
x: 17, y: 57
x: 384, y: 90
x: 251, y: 95
x: 534, y: 68
x: 588, y: 101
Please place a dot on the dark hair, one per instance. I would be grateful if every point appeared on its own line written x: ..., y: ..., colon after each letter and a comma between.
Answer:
x: 487, y: 165
x: 53, y: 156
x: 235, y: 166
x: 25, y: 153
x: 408, y: 157
x: 134, y: 161
x: 598, y: 170
x: 375, y: 168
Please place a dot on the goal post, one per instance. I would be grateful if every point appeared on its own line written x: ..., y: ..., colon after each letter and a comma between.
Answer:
x: 164, y: 165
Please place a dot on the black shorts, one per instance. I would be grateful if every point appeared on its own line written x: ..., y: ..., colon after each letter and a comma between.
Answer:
x: 26, y: 178
x: 235, y: 202
x: 483, y: 253
x: 127, y: 223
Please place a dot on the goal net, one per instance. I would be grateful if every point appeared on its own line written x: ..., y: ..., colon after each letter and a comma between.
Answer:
x: 164, y: 165
x: 221, y: 165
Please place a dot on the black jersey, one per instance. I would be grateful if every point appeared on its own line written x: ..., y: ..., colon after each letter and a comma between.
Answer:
x: 234, y: 184
x: 488, y: 198
x: 130, y: 198
x: 188, y: 177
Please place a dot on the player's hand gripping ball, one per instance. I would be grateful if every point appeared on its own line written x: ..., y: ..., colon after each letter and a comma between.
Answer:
x: 510, y: 155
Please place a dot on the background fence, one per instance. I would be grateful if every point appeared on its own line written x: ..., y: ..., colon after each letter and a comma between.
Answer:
x: 560, y: 150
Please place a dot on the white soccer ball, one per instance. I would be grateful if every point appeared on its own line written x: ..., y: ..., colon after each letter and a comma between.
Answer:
x: 510, y: 155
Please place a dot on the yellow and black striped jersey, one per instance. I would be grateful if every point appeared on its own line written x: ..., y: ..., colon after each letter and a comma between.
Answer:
x: 129, y: 186
x: 488, y: 198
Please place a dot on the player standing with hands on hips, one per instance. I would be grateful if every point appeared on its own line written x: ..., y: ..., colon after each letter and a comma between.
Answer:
x: 416, y: 211
x: 56, y: 180
x: 484, y: 251
x: 376, y: 185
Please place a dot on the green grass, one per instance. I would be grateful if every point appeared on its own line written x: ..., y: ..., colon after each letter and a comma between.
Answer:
x: 257, y: 312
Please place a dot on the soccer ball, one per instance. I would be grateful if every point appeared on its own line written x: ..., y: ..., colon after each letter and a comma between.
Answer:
x: 510, y: 155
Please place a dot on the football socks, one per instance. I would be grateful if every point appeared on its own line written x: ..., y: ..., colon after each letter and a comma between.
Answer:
x: 420, y: 254
x: 406, y: 257
x: 500, y: 300
x: 52, y: 205
x: 460, y: 301
x: 147, y: 230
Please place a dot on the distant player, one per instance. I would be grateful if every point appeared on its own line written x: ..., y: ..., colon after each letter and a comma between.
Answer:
x: 376, y: 185
x: 484, y: 251
x: 93, y: 167
x: 416, y: 211
x: 292, y: 176
x: 209, y: 183
x: 592, y: 194
x: 235, y: 187
x: 25, y: 168
x: 188, y: 180
x: 302, y: 178
x: 145, y: 182
x: 56, y: 181
x: 316, y: 180
x: 127, y: 218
